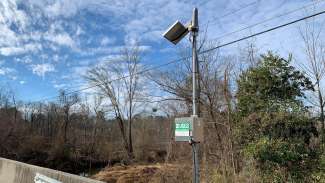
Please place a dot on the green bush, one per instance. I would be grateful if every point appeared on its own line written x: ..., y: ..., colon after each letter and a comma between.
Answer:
x: 282, y: 160
x: 273, y: 125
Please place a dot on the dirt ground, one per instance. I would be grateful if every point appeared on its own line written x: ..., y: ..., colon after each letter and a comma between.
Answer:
x: 156, y: 173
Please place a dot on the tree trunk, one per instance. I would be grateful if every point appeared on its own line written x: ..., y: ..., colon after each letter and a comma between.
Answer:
x: 227, y: 96
x: 125, y: 142
x: 66, y: 121
x: 321, y: 104
x: 130, y: 139
x: 130, y: 130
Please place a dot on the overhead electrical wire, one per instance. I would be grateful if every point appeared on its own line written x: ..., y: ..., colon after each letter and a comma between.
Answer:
x: 202, y: 52
x: 217, y: 18
x: 202, y: 3
x: 263, y: 32
x: 269, y: 19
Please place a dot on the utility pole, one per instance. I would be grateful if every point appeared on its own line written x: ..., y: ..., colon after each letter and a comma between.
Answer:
x: 194, y: 29
x: 190, y: 129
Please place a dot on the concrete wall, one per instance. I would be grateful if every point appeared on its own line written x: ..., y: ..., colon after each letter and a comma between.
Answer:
x: 17, y: 172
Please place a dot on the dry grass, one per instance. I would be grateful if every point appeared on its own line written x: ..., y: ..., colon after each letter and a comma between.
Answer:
x: 157, y: 173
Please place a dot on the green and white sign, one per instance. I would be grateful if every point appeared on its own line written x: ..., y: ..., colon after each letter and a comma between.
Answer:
x: 183, y: 129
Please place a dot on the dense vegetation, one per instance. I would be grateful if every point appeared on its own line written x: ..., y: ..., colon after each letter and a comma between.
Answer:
x: 66, y: 135
x: 274, y: 126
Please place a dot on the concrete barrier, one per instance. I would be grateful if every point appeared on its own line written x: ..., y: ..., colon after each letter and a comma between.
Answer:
x: 17, y: 172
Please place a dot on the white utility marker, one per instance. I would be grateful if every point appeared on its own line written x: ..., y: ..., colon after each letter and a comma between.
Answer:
x: 39, y: 178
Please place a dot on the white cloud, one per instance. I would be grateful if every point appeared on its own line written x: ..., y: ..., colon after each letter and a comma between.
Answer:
x: 22, y: 82
x: 10, y: 41
x: 139, y: 19
x: 59, y: 86
x: 42, y: 69
x: 13, y: 50
x: 105, y: 41
x: 7, y: 36
x: 79, y: 31
x: 18, y: 34
x: 112, y: 50
x: 62, y: 7
x: 10, y: 14
x: 7, y: 51
x: 6, y: 70
x: 62, y: 39
x: 23, y: 60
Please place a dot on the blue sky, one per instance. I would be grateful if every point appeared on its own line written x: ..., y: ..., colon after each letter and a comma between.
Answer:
x: 47, y: 45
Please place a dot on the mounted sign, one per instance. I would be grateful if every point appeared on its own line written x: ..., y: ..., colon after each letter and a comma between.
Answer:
x: 188, y: 127
x: 39, y: 178
x: 183, y: 129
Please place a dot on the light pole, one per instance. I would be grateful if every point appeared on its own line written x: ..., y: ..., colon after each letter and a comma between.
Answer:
x: 174, y: 34
x: 194, y: 28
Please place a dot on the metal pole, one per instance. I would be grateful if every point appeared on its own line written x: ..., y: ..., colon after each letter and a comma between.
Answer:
x: 196, y: 175
x: 195, y: 74
x: 194, y: 33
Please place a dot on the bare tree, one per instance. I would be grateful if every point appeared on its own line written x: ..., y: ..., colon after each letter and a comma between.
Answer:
x: 8, y: 118
x: 67, y: 102
x: 314, y: 66
x: 122, y: 94
x: 177, y: 82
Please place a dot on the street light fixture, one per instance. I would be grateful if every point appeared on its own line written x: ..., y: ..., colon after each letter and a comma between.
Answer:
x: 176, y: 32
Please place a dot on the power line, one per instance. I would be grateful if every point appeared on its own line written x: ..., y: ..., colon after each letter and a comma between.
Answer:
x: 268, y: 19
x: 202, y: 3
x: 216, y: 18
x: 123, y: 77
x: 200, y: 53
x: 263, y: 32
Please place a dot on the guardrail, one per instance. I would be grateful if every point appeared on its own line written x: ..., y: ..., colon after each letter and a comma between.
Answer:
x: 18, y: 172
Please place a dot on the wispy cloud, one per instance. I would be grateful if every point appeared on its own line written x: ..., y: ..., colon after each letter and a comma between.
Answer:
x: 23, y: 32
x: 6, y: 71
x: 42, y: 69
x: 16, y: 50
x: 106, y: 41
x: 62, y: 39
x: 59, y: 86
